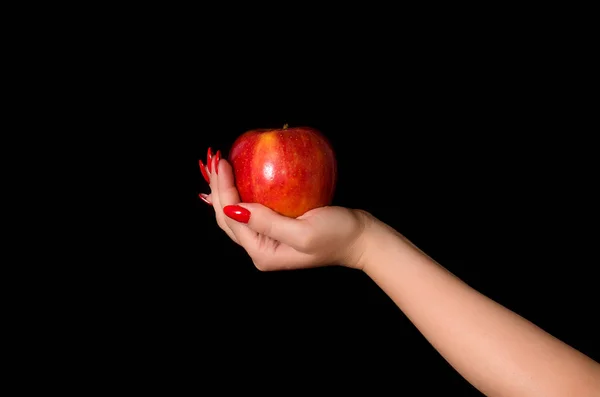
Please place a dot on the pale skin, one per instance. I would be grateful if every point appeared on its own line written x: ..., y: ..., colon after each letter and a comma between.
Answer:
x: 497, y: 351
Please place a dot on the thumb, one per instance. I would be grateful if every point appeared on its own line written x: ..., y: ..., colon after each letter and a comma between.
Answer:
x: 263, y: 220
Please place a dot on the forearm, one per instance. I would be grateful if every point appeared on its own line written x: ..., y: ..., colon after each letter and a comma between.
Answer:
x: 497, y: 351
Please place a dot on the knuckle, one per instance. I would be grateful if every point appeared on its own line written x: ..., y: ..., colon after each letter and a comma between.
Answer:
x: 306, y: 241
x: 261, y: 261
x: 267, y: 229
x: 260, y: 265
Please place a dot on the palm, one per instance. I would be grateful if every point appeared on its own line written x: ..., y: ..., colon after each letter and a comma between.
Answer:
x: 331, y: 230
x: 268, y: 252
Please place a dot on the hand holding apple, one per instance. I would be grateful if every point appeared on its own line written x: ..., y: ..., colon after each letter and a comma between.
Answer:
x: 322, y: 236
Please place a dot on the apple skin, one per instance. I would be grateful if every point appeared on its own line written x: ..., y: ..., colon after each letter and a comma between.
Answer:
x: 289, y: 170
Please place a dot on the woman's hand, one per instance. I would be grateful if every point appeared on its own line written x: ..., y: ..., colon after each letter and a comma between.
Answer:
x: 323, y: 236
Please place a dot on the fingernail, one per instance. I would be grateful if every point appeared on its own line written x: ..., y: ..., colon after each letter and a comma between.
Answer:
x: 209, y: 159
x: 217, y: 158
x: 237, y: 213
x: 204, y: 197
x: 203, y: 171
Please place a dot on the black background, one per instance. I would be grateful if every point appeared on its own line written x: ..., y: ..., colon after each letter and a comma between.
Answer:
x: 469, y: 131
x: 478, y: 153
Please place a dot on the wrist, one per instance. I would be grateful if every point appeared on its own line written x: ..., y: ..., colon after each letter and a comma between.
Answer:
x: 352, y: 256
x: 378, y: 242
x: 361, y: 250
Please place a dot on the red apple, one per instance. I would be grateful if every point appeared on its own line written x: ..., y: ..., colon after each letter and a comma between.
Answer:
x: 290, y: 170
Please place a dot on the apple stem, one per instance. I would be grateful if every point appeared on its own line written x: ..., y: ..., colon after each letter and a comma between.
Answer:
x: 285, y: 126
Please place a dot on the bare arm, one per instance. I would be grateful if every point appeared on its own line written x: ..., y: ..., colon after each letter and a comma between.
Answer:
x: 496, y: 350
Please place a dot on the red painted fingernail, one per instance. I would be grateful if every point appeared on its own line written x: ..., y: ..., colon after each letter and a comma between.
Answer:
x: 204, y: 197
x: 237, y: 213
x: 217, y: 158
x: 203, y: 171
x: 209, y: 159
